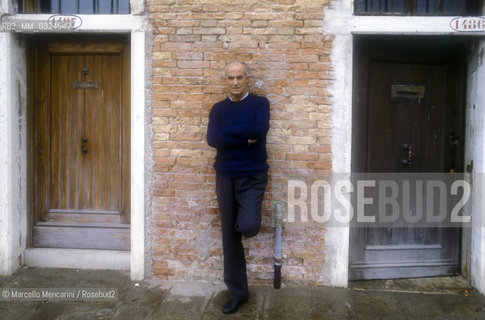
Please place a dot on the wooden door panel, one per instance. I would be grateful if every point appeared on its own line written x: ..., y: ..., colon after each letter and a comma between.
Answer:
x: 67, y: 106
x: 93, y: 101
x: 389, y: 124
x: 40, y: 135
x: 399, y: 121
x: 103, y: 110
x: 386, y: 122
x: 82, y: 156
x: 87, y: 180
x: 48, y: 235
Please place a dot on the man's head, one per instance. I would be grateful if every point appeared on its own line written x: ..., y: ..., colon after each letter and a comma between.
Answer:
x: 236, y: 75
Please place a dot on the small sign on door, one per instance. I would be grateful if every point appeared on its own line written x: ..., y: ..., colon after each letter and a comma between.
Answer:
x: 407, y: 91
x: 85, y: 85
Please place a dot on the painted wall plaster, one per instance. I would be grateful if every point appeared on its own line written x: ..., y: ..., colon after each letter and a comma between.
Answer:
x: 5, y: 128
x: 12, y: 164
x: 335, y: 271
x: 138, y: 155
x: 6, y: 7
x: 475, y: 138
x: 137, y: 7
x: 148, y: 153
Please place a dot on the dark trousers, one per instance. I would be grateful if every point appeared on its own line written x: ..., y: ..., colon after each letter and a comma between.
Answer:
x: 240, y: 201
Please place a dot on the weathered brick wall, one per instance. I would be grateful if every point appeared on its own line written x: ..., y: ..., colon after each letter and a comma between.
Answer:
x: 283, y: 44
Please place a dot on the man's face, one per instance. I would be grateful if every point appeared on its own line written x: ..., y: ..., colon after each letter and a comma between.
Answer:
x: 236, y: 80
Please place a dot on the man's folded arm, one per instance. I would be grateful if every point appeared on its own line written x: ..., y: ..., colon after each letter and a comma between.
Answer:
x: 255, y: 129
x: 219, y: 140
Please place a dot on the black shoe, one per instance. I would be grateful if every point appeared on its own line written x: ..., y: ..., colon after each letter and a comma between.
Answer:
x: 232, y: 305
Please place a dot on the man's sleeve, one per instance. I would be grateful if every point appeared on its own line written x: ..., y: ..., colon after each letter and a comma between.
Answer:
x: 255, y: 129
x: 217, y: 139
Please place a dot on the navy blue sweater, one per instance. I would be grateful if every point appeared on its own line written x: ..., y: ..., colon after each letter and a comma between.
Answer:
x: 230, y: 126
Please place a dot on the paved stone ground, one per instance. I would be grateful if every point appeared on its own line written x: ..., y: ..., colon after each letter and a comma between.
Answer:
x: 428, y: 298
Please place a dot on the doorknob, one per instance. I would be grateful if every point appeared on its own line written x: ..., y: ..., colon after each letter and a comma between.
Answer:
x: 84, y: 148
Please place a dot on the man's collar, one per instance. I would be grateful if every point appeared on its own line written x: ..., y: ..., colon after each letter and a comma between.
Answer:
x: 245, y: 96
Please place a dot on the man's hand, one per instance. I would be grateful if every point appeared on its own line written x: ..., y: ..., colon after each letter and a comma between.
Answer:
x: 250, y: 141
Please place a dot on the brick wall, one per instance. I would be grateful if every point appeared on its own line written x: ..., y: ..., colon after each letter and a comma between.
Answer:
x: 282, y: 42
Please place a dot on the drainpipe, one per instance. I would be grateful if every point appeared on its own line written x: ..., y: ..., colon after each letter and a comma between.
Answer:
x: 277, y: 223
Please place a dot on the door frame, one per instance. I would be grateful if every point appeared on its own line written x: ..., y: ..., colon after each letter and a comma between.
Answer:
x: 341, y: 25
x: 134, y: 259
x: 14, y: 202
x: 417, y: 50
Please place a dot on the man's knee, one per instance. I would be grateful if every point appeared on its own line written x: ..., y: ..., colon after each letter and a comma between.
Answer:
x: 249, y: 230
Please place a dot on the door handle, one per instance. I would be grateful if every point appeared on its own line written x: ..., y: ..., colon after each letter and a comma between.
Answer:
x: 84, y: 148
x: 408, y: 155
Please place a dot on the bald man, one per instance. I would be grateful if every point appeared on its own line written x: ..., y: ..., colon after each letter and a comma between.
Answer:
x: 237, y: 129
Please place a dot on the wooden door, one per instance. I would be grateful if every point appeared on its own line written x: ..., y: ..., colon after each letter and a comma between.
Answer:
x: 81, y: 146
x: 408, y: 118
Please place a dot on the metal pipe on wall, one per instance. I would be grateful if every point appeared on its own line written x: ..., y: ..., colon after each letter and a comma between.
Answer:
x: 277, y: 224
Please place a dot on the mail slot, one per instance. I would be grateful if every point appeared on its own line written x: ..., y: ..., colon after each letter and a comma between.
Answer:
x: 405, y: 91
x: 85, y: 85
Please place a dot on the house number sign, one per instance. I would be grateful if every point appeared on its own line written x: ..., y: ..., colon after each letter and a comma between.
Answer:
x: 468, y: 24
